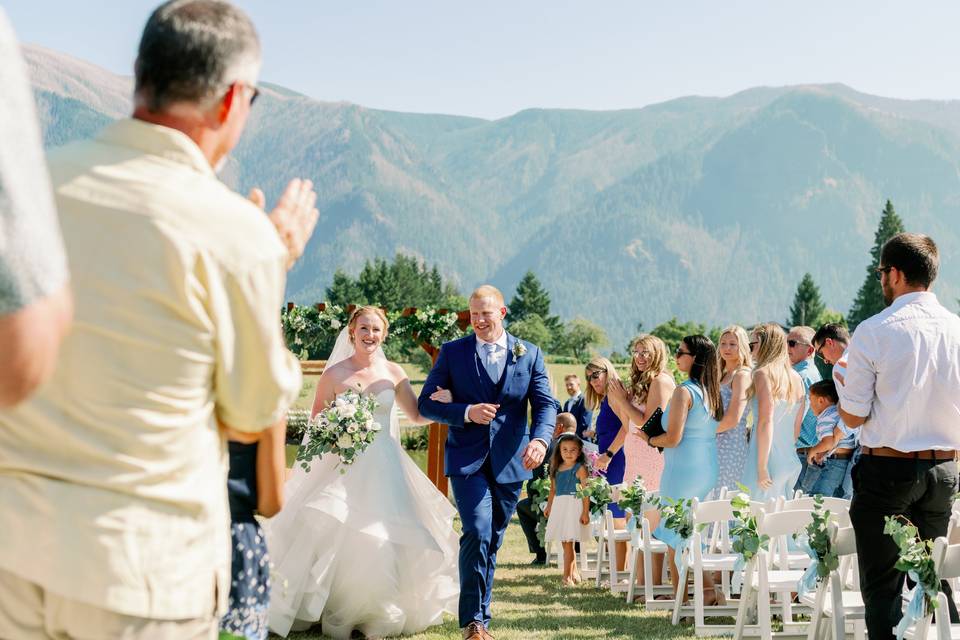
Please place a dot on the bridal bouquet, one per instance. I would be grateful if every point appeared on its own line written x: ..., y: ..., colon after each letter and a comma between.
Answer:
x: 345, y: 428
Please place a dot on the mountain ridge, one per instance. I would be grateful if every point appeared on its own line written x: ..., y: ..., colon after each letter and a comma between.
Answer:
x: 707, y: 208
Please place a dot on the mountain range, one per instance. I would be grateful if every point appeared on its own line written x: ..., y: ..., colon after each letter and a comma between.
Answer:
x: 707, y: 209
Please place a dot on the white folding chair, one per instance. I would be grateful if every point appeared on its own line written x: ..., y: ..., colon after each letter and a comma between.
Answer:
x: 697, y: 560
x: 611, y: 536
x: 642, y: 546
x: 844, y: 607
x: 760, y: 580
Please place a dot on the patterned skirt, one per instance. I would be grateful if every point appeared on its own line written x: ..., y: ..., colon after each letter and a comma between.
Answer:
x: 246, y: 615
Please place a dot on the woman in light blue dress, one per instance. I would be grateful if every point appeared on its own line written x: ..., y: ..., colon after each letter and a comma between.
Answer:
x: 690, y: 443
x: 779, y: 400
x: 735, y: 363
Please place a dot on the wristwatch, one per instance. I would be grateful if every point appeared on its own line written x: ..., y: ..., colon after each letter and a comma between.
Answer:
x: 608, y: 453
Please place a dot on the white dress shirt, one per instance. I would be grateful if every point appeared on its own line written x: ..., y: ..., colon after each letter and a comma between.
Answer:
x: 903, y: 374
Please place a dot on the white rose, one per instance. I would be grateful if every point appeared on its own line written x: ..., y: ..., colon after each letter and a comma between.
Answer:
x: 351, y: 428
x: 344, y: 441
x: 335, y: 324
x: 339, y: 403
x: 347, y: 411
x: 375, y: 426
x: 368, y: 425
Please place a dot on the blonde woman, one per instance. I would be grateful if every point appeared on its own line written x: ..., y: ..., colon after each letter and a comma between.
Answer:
x: 600, y: 375
x: 736, y: 363
x: 772, y: 467
x: 651, y: 386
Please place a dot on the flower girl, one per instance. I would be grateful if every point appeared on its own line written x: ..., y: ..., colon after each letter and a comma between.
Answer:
x: 568, y: 516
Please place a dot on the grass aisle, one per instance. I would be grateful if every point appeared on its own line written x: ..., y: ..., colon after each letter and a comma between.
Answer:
x: 530, y: 604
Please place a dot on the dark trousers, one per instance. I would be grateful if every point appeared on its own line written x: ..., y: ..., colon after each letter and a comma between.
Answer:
x: 921, y: 490
x: 528, y: 521
x: 485, y: 507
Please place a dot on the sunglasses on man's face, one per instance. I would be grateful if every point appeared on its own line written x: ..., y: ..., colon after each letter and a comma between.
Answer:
x: 879, y: 271
x: 793, y: 343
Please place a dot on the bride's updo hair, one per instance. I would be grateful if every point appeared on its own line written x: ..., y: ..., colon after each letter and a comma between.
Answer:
x: 368, y: 310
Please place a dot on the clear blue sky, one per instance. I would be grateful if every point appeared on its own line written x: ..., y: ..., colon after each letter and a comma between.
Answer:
x: 494, y: 58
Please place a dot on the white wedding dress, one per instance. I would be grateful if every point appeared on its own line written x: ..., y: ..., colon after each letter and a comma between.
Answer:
x: 372, y: 549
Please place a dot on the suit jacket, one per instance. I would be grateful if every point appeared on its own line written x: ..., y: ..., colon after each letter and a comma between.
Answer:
x: 579, y: 410
x: 524, y: 384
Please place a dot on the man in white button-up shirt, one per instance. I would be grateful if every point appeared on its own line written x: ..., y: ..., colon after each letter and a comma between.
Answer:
x: 902, y: 387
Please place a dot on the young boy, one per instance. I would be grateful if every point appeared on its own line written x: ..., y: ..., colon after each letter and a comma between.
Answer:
x: 836, y: 443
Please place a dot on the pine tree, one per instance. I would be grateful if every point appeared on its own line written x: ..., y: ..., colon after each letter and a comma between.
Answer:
x: 808, y: 308
x: 530, y: 299
x: 869, y: 299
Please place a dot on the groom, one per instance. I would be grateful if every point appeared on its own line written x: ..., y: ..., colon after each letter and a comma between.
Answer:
x: 490, y: 449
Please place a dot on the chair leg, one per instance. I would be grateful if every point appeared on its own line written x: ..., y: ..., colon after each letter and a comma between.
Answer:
x: 601, y: 548
x: 743, y: 610
x: 698, y: 615
x: 647, y: 575
x: 632, y: 586
x: 680, y: 593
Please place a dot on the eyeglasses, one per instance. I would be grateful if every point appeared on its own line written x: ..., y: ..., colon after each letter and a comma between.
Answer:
x: 680, y: 352
x: 646, y: 355
x: 595, y: 375
x: 793, y: 343
x: 879, y: 271
x: 254, y: 91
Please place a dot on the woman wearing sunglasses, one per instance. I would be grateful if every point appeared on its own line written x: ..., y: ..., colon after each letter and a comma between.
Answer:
x: 600, y: 373
x: 690, y: 442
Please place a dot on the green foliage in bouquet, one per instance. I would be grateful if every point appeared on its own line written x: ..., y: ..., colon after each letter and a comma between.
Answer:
x: 539, y: 490
x: 599, y: 492
x: 677, y: 516
x: 345, y: 429
x: 633, y: 497
x: 818, y: 537
x: 747, y: 540
x: 915, y: 557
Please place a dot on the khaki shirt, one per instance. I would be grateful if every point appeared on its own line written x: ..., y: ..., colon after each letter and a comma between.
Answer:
x: 113, y: 477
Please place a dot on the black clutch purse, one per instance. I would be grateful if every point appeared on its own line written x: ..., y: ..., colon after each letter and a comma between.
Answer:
x: 653, y: 427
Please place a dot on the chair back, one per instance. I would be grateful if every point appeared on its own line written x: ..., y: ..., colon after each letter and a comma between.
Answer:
x: 946, y: 558
x: 711, y: 511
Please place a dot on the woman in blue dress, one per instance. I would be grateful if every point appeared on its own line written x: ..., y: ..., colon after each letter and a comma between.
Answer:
x: 690, y: 443
x: 600, y: 372
x: 779, y: 399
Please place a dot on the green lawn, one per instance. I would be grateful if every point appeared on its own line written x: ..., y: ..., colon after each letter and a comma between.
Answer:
x: 530, y: 604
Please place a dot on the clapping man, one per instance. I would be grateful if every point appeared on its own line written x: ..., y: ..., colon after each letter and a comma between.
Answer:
x: 902, y: 388
x: 113, y: 476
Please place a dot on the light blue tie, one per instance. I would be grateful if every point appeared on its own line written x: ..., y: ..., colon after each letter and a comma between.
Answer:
x: 489, y: 363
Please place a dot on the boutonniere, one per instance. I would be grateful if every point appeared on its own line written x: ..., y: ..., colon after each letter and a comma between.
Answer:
x: 518, y: 350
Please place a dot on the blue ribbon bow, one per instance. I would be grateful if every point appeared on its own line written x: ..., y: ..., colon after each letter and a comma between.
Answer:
x: 916, y: 608
x: 808, y: 581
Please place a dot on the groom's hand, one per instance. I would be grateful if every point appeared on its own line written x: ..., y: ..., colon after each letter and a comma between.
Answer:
x: 483, y: 413
x: 533, y: 456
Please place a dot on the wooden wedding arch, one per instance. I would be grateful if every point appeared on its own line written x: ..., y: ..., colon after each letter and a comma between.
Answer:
x: 438, y: 432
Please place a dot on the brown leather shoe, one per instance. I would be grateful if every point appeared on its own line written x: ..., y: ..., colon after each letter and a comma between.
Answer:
x: 486, y: 634
x: 474, y: 631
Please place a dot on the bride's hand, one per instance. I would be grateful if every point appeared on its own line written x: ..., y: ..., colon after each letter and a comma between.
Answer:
x: 442, y: 395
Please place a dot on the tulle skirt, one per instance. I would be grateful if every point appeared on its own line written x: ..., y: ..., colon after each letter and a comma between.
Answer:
x: 372, y: 549
x: 563, y: 525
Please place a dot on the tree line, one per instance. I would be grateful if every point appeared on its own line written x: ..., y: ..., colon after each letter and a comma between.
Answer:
x: 409, y: 282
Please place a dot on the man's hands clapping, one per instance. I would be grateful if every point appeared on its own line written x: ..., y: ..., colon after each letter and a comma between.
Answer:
x: 294, y: 217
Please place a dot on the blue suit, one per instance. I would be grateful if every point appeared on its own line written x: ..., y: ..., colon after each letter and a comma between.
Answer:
x: 578, y: 407
x: 485, y: 462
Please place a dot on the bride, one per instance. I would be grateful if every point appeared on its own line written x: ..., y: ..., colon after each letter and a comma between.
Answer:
x: 373, y: 550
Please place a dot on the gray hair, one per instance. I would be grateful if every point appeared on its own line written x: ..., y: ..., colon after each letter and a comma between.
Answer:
x: 192, y: 49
